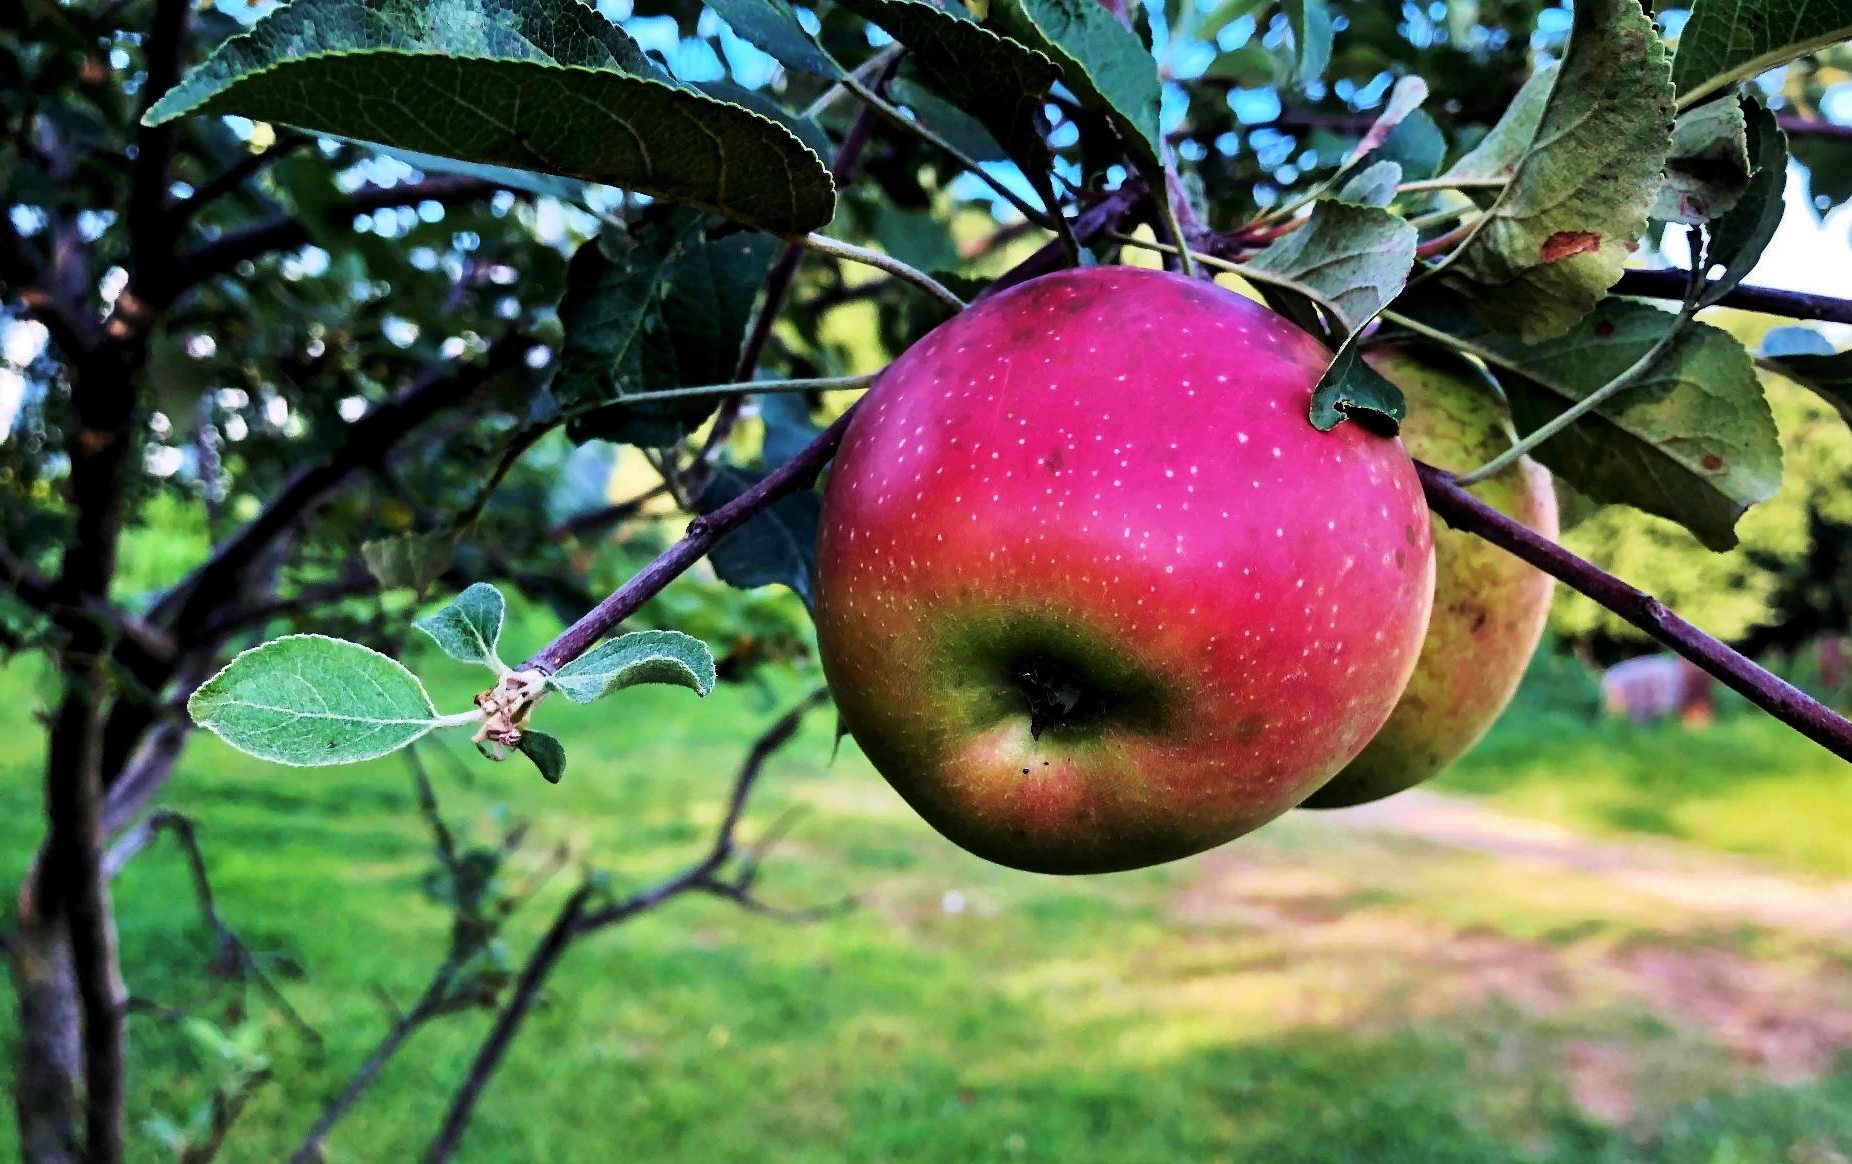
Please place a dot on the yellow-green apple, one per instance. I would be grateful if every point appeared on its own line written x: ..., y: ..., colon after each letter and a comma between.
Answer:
x: 1093, y: 593
x: 1489, y: 608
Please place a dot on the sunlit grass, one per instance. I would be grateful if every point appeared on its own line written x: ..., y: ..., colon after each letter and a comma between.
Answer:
x: 1307, y: 995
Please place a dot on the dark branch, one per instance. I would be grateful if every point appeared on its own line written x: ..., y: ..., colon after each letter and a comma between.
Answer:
x: 151, y: 242
x: 704, y: 533
x: 1672, y: 284
x: 233, y: 958
x: 1781, y: 699
x: 577, y: 918
x: 41, y: 593
x: 1796, y: 126
x: 365, y: 443
x: 799, y: 473
x: 25, y: 276
x: 777, y: 290
x: 288, y: 233
x: 234, y: 176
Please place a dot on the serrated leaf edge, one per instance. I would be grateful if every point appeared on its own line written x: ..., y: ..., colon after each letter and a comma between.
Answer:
x: 193, y: 711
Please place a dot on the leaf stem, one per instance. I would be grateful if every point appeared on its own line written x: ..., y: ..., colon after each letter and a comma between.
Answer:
x: 817, y: 384
x: 1446, y: 183
x: 823, y: 244
x: 869, y: 68
x: 1168, y: 211
x: 1603, y: 394
x: 1043, y: 218
x: 460, y: 719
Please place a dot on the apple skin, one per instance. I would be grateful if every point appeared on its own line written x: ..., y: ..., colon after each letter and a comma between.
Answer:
x: 1489, y: 608
x: 1102, y: 485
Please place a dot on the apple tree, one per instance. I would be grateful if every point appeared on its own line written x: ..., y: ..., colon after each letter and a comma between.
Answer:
x: 359, y: 303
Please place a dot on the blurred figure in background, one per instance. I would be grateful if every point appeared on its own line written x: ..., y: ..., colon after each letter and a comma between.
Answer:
x: 1657, y: 687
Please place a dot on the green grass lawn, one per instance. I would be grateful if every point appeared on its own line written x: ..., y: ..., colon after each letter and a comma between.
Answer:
x: 1743, y: 784
x: 1303, y: 995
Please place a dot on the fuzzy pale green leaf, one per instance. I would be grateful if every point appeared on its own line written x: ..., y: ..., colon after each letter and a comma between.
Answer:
x: 470, y: 626
x: 1374, y: 185
x: 539, y: 85
x: 656, y: 656
x: 310, y: 701
x: 1555, y: 240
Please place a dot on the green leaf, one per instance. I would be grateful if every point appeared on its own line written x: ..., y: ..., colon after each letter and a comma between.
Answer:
x: 765, y: 105
x: 310, y: 701
x: 1352, y: 260
x: 1501, y: 150
x: 1692, y: 440
x: 1416, y: 145
x: 1404, y: 100
x: 1554, y: 242
x: 994, y: 79
x: 1728, y: 41
x: 1739, y: 237
x: 956, y: 126
x: 1251, y: 66
x: 1223, y: 15
x: 788, y: 427
x: 540, y: 85
x: 1374, y: 185
x: 772, y: 27
x: 660, y: 306
x: 1312, y: 37
x: 1352, y: 390
x: 469, y: 628
x: 656, y: 656
x: 1709, y: 168
x: 547, y: 753
x: 1805, y: 357
x: 1101, y: 60
x: 778, y: 547
x: 413, y: 561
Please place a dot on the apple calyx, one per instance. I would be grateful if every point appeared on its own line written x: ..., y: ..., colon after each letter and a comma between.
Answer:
x: 505, y: 710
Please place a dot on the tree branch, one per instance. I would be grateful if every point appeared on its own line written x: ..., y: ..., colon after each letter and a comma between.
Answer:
x: 1797, y: 126
x: 799, y: 473
x: 288, y: 233
x: 1781, y: 699
x: 234, y: 957
x: 704, y: 533
x: 71, y: 328
x: 577, y: 918
x: 151, y: 241
x: 235, y: 176
x: 364, y: 443
x: 1671, y: 284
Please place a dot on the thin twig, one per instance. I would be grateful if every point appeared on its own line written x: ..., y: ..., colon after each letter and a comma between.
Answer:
x: 881, y: 261
x: 577, y: 918
x: 1044, y: 217
x: 236, y: 175
x: 1787, y: 703
x: 1670, y: 284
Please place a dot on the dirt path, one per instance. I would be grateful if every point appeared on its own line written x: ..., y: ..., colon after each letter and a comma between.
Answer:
x: 1689, y: 878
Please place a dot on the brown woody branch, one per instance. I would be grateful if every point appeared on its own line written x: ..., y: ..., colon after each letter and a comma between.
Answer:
x: 1777, y: 697
x: 578, y: 917
x: 235, y: 176
x: 1672, y: 284
x: 288, y: 233
x: 233, y: 957
x: 777, y: 288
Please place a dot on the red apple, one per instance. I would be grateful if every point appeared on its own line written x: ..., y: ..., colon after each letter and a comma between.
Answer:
x: 1092, y: 591
x: 1489, y: 608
